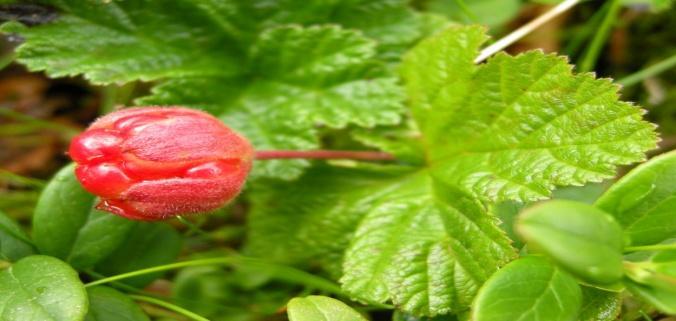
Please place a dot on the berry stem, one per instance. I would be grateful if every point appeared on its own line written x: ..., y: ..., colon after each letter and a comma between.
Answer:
x: 323, y: 154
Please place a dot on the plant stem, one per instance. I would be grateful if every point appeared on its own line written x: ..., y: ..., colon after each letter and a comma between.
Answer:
x: 169, y: 306
x: 653, y: 70
x: 282, y: 272
x: 193, y: 228
x: 323, y: 154
x: 591, y: 55
x: 524, y: 30
x: 656, y: 247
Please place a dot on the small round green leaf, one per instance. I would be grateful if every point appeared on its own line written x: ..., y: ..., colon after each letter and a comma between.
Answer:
x: 580, y: 238
x: 66, y: 226
x: 321, y: 308
x: 643, y: 201
x: 106, y: 304
x: 528, y: 289
x: 41, y: 288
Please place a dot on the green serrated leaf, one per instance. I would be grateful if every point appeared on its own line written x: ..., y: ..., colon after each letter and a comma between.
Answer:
x: 146, y: 245
x: 335, y: 83
x: 321, y: 308
x: 41, y: 288
x: 424, y: 246
x: 66, y: 226
x: 516, y: 127
x: 14, y: 243
x: 107, y: 304
x: 528, y: 289
x: 579, y: 237
x: 644, y: 201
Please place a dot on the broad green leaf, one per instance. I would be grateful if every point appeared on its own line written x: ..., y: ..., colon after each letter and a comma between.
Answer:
x: 66, y: 226
x: 107, y: 304
x: 336, y: 83
x: 41, y: 288
x: 516, y: 127
x: 644, y: 201
x: 135, y: 40
x: 528, y: 289
x: 321, y: 308
x: 424, y: 246
x: 599, y: 305
x: 581, y: 238
x: 146, y: 245
x: 14, y: 243
x: 655, y: 5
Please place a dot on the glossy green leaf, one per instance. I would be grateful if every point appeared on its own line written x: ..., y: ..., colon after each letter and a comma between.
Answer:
x: 66, y: 226
x: 581, y: 238
x: 321, y: 308
x: 107, y: 304
x: 599, y: 305
x: 14, y: 243
x: 644, y: 201
x: 41, y: 288
x: 146, y: 245
x: 516, y: 127
x: 528, y: 289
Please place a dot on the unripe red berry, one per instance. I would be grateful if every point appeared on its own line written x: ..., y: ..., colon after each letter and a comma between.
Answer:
x: 152, y: 163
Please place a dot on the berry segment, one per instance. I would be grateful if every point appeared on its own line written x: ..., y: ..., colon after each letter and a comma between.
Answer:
x: 153, y: 163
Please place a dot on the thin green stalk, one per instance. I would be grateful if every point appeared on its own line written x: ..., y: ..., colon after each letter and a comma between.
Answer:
x: 193, y: 228
x: 653, y: 70
x: 68, y: 132
x: 282, y: 272
x: 169, y: 306
x: 10, y: 177
x: 581, y: 36
x: 594, y: 50
x: 645, y: 316
x: 655, y: 247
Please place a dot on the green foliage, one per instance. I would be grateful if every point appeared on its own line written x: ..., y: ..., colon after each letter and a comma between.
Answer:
x: 511, y: 129
x: 529, y: 114
x: 579, y: 237
x: 643, y: 201
x: 422, y: 233
x: 41, y: 288
x: 14, y: 243
x: 599, y: 305
x: 247, y: 70
x: 144, y: 246
x: 66, y: 226
x: 321, y: 308
x: 528, y: 289
x: 107, y: 304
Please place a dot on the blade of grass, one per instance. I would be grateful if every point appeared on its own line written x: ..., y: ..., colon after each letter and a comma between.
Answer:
x: 592, y: 53
x: 648, y: 72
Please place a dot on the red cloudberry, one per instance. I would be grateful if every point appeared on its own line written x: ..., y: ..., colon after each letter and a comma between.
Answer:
x: 152, y: 163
